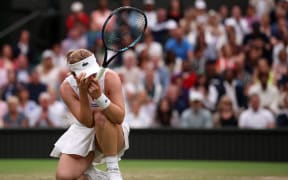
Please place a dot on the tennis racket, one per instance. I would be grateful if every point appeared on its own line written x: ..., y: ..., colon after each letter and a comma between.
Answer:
x: 123, y: 29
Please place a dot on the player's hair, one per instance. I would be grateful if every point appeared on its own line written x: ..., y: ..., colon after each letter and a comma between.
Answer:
x: 75, y: 56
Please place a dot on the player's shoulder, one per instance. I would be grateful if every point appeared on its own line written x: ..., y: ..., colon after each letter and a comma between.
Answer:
x: 110, y: 75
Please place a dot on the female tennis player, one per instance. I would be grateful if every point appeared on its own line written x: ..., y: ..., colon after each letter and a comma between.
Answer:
x: 99, y: 133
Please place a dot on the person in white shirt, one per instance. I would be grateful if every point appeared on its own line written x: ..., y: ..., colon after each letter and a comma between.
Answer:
x: 268, y: 93
x: 150, y: 12
x: 239, y: 23
x: 256, y: 117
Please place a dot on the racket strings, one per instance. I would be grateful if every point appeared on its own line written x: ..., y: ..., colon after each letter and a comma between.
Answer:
x: 124, y: 29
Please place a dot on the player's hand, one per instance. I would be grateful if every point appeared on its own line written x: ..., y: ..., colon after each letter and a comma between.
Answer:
x: 94, y: 89
x: 82, y: 82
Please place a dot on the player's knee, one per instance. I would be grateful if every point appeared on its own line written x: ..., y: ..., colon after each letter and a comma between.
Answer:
x: 66, y: 175
x: 99, y: 120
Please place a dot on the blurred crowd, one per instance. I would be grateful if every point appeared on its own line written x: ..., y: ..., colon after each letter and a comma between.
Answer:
x: 195, y: 68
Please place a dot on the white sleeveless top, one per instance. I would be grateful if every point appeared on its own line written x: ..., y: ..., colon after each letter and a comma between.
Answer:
x: 72, y: 82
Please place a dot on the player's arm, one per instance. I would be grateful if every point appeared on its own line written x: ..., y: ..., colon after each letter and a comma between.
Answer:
x: 79, y: 107
x: 115, y: 112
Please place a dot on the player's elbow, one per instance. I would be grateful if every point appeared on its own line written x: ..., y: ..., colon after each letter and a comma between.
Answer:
x: 120, y: 118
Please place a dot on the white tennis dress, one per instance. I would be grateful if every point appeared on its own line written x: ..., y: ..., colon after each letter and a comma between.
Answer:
x: 79, y: 139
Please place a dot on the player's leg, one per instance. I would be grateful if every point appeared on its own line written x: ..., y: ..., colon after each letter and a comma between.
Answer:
x: 72, y: 167
x: 110, y: 139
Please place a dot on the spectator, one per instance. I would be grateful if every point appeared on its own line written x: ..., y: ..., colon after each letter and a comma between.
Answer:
x: 214, y: 31
x: 132, y: 75
x: 150, y: 12
x: 177, y: 97
x: 4, y: 110
x: 165, y: 115
x: 26, y: 105
x: 256, y: 117
x: 188, y: 22
x: 77, y: 16
x: 136, y: 117
x: 179, y: 46
x: 196, y: 116
x: 44, y: 114
x: 59, y: 59
x: 152, y: 85
x: 35, y: 87
x: 242, y: 75
x: 234, y: 90
x: 280, y: 68
x: 22, y: 69
x: 262, y: 7
x: 225, y: 116
x: 265, y: 25
x: 223, y: 13
x: 74, y: 40
x: 175, y: 10
x: 24, y: 46
x: 99, y: 16
x: 12, y: 87
x: 209, y: 92
x: 282, y: 118
x: 268, y: 93
x: 226, y: 59
x: 239, y: 23
x: 6, y: 59
x: 251, y: 17
x: 14, y: 118
x: 200, y: 6
x: 162, y: 26
x: 57, y: 110
x: 48, y: 72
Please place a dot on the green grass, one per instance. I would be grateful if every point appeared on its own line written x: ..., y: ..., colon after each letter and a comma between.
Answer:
x: 155, y: 169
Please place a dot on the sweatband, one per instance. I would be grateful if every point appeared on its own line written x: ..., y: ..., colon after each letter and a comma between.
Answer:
x: 102, y: 101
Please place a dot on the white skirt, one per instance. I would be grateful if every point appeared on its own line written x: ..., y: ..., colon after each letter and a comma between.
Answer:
x: 80, y: 140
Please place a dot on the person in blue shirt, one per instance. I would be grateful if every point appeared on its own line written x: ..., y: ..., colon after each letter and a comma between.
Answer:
x: 179, y: 46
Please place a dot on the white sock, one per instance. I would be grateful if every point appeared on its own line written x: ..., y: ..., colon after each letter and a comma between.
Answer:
x: 112, y: 162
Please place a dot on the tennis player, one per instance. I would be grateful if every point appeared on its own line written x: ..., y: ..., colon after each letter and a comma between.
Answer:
x: 99, y: 133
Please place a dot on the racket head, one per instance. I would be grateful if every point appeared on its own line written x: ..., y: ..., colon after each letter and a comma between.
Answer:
x: 123, y: 29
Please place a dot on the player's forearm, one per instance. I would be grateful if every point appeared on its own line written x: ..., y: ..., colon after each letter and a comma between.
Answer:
x: 114, y: 113
x: 85, y: 116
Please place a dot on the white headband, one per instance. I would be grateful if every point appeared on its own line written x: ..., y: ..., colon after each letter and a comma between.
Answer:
x: 88, y: 65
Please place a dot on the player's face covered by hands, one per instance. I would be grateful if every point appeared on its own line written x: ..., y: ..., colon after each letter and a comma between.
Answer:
x: 94, y: 89
x: 82, y: 82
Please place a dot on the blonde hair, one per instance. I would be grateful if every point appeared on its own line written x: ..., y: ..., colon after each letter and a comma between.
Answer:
x: 224, y: 99
x: 75, y: 56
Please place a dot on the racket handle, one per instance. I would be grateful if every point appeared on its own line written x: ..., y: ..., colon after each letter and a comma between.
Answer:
x: 100, y: 73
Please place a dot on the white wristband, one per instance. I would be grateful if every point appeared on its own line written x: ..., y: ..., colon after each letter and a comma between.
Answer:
x: 102, y: 101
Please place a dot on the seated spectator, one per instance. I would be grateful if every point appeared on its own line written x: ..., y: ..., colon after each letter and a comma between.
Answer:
x: 268, y: 93
x: 136, y: 117
x: 282, y: 118
x: 77, y: 16
x: 188, y: 23
x: 59, y: 115
x: 152, y: 85
x: 99, y: 16
x: 239, y: 23
x: 180, y: 46
x: 226, y: 59
x: 201, y: 11
x: 196, y: 116
x: 44, y: 115
x: 175, y: 10
x: 26, y: 105
x: 35, y: 87
x: 209, y: 92
x: 162, y: 27
x: 6, y: 59
x: 132, y: 75
x: 4, y: 110
x: 24, y: 46
x: 12, y: 87
x: 74, y: 40
x: 225, y: 115
x: 48, y: 72
x: 280, y: 68
x: 150, y: 12
x: 165, y: 115
x: 14, y: 118
x: 234, y: 90
x: 22, y: 69
x: 215, y: 34
x: 59, y: 59
x: 265, y: 25
x: 256, y: 117
x: 177, y: 97
x: 262, y: 7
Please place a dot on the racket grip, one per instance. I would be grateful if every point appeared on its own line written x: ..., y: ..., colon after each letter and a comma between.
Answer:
x: 100, y: 73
